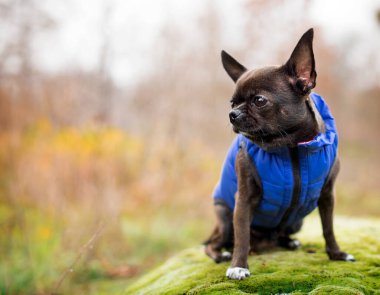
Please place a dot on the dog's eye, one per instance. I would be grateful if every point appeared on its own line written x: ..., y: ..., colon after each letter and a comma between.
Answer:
x: 259, y: 101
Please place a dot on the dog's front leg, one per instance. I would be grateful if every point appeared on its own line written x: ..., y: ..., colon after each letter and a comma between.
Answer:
x: 249, y: 195
x: 326, y: 210
x: 242, y: 221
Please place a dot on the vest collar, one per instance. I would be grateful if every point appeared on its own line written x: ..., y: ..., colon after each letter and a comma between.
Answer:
x: 326, y: 124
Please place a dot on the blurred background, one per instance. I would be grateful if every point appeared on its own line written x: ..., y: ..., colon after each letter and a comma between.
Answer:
x: 114, y: 125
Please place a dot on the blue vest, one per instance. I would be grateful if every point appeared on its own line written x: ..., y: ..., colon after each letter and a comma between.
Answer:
x: 316, y: 158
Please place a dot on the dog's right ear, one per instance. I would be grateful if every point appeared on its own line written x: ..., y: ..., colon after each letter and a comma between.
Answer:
x: 233, y: 68
x: 301, y: 64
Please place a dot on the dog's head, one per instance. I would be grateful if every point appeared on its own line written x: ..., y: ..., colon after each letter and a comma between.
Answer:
x: 269, y: 105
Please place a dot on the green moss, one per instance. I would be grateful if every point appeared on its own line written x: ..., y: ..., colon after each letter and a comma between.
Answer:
x: 279, y: 272
x: 335, y: 290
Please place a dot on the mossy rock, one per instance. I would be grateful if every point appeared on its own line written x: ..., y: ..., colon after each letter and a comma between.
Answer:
x: 305, y: 271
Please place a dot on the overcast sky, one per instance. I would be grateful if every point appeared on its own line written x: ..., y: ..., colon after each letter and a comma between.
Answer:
x: 134, y: 26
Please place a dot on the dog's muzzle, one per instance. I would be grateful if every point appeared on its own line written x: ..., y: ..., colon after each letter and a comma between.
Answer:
x: 234, y: 114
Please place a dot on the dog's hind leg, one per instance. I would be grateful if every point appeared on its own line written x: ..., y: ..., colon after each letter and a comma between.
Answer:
x: 222, y: 235
x: 326, y: 209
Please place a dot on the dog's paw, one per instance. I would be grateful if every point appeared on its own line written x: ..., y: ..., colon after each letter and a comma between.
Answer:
x: 339, y: 255
x: 226, y: 256
x: 288, y: 243
x: 237, y: 273
x: 218, y: 256
x: 223, y: 257
x: 350, y: 257
x: 294, y: 244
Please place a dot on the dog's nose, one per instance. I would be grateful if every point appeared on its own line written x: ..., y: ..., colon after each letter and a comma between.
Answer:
x: 234, y: 114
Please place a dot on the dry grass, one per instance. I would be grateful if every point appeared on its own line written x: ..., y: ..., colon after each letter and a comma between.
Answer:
x: 61, y: 183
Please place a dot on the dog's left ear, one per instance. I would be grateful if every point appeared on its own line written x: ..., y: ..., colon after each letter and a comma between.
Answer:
x: 301, y: 64
x: 233, y: 68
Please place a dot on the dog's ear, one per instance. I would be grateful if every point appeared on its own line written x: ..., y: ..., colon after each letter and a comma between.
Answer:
x: 301, y: 64
x: 233, y: 68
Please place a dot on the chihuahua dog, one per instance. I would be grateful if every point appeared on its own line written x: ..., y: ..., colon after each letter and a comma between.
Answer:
x: 282, y: 164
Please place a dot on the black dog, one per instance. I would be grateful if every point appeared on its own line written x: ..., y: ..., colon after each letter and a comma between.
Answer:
x: 283, y: 164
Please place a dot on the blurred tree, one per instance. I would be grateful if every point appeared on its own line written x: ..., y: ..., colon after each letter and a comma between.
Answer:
x: 105, y: 84
x: 20, y: 21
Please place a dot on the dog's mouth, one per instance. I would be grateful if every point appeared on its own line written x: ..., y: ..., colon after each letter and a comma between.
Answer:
x: 243, y: 131
x: 243, y: 127
x: 249, y: 131
x: 260, y: 136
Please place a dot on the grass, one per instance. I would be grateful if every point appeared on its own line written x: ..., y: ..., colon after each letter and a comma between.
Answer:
x: 37, y: 248
x: 279, y: 272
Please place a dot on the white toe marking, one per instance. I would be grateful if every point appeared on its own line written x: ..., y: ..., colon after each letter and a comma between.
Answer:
x: 295, y: 243
x: 349, y: 257
x: 226, y: 254
x: 237, y: 273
